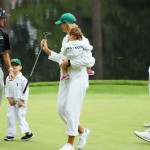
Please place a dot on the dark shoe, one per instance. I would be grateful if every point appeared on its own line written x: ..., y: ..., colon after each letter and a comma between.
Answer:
x: 8, y: 138
x: 27, y: 137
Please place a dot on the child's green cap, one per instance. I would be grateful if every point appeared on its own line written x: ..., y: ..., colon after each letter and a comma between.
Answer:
x: 16, y: 61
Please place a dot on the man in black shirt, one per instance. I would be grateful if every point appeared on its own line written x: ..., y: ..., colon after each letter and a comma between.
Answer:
x: 4, y: 55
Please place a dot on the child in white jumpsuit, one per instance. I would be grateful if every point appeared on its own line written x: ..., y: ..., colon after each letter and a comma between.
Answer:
x: 73, y: 49
x: 17, y: 106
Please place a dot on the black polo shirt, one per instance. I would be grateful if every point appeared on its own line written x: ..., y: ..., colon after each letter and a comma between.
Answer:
x: 4, y: 44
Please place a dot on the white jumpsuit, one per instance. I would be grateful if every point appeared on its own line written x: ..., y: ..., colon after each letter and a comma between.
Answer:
x: 14, y: 89
x: 72, y: 91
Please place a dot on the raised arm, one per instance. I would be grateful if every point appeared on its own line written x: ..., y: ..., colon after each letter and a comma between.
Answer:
x: 52, y: 55
x: 45, y: 47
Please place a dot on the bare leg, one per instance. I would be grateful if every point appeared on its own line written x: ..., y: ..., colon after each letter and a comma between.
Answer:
x: 80, y: 129
x: 71, y: 140
x: 64, y: 70
x: 88, y: 69
x: 28, y: 133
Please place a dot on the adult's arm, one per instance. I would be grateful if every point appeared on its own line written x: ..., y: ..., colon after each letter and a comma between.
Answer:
x: 51, y: 55
x: 6, y: 59
x: 85, y: 61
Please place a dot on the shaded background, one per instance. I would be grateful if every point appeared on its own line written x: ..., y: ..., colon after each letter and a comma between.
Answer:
x: 118, y: 30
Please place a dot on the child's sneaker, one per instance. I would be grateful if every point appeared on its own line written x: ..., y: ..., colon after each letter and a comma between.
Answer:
x: 82, y: 138
x: 65, y: 77
x: 91, y: 73
x: 67, y: 147
x: 8, y: 138
x: 27, y: 137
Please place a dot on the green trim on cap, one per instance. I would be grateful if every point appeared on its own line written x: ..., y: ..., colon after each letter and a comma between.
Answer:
x: 15, y: 60
x: 66, y: 18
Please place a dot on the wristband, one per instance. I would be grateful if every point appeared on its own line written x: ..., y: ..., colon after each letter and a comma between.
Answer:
x: 10, y: 69
x: 69, y: 63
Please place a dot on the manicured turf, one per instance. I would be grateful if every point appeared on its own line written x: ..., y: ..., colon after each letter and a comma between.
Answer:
x: 112, y: 110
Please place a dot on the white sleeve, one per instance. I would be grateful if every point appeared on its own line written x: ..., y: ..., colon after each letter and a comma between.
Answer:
x: 26, y: 94
x: 64, y: 51
x: 87, y: 47
x: 7, y: 94
x: 86, y: 44
x: 55, y: 56
x: 86, y: 61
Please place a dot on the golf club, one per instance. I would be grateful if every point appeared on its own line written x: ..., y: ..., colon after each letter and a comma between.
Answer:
x: 45, y: 34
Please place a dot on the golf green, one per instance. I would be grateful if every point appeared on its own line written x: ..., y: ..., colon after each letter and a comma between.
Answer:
x: 112, y: 110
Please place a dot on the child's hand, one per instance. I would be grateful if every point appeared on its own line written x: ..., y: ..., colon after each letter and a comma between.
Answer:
x: 11, y: 75
x: 12, y: 102
x: 20, y: 104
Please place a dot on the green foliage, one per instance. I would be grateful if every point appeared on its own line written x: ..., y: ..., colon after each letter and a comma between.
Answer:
x: 125, y: 33
x: 126, y: 39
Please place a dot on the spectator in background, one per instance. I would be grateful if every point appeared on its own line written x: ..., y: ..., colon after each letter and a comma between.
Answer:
x: 4, y: 55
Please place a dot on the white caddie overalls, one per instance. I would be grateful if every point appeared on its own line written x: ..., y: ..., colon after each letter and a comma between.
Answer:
x: 72, y: 91
x: 14, y: 89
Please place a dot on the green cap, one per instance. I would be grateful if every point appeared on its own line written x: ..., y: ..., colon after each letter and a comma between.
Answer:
x: 15, y: 60
x: 67, y: 18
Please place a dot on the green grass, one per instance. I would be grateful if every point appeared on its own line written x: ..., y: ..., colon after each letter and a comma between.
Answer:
x: 112, y: 110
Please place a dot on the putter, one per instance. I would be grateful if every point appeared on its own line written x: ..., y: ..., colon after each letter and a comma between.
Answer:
x: 45, y: 34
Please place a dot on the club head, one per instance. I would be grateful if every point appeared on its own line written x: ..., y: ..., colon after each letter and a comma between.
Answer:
x: 47, y: 33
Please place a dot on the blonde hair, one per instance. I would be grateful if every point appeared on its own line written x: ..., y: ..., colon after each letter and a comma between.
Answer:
x: 69, y: 26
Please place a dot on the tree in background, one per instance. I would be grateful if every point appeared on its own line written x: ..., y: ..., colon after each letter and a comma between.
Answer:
x: 97, y: 38
x: 119, y: 31
x: 126, y: 39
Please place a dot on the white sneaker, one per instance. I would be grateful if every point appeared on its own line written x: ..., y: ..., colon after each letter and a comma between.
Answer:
x: 143, y: 135
x: 147, y: 130
x: 67, y: 147
x: 147, y: 125
x: 82, y: 138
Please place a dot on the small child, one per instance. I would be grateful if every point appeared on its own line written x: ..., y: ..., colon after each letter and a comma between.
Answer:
x: 17, y: 106
x: 74, y: 49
